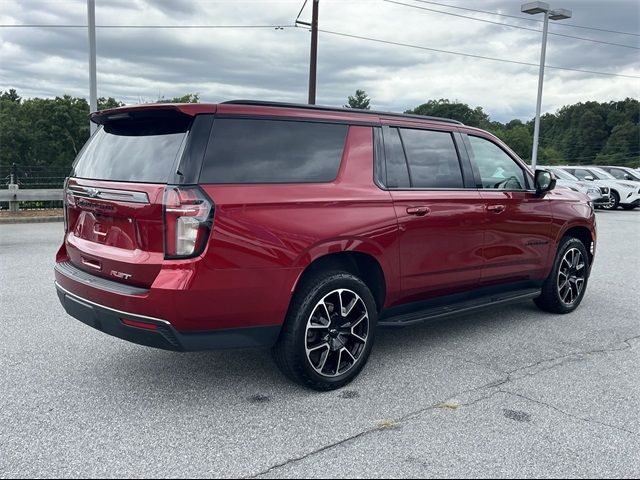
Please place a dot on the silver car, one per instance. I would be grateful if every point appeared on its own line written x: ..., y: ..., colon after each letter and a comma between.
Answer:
x: 598, y: 195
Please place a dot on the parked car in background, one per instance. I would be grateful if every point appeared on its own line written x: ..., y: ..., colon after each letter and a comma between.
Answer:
x: 622, y: 173
x: 598, y: 195
x: 247, y: 224
x: 624, y: 193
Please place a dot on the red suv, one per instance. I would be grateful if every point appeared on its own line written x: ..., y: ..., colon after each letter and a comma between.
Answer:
x: 249, y: 224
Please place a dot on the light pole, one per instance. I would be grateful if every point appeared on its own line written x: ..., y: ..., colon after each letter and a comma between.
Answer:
x: 533, y: 8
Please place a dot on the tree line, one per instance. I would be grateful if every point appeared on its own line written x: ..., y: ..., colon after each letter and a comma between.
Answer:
x: 51, y: 131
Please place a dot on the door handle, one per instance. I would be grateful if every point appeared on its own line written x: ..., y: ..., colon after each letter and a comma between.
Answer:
x: 496, y: 208
x: 418, y: 211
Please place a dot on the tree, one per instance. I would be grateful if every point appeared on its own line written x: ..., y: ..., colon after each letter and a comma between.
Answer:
x: 622, y: 147
x: 107, y: 103
x: 474, y: 117
x: 51, y: 131
x: 360, y: 101
x: 188, y: 98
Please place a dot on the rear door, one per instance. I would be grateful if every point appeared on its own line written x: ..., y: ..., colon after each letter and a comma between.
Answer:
x: 440, y: 218
x: 114, y: 197
x: 518, y: 223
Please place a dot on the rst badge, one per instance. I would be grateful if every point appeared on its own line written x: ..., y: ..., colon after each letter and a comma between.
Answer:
x: 123, y: 276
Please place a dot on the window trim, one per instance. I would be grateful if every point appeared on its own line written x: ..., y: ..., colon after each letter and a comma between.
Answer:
x: 476, y: 171
x: 281, y: 119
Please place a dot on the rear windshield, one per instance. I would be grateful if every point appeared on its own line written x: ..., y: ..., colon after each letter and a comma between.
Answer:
x: 131, y: 154
x: 273, y: 151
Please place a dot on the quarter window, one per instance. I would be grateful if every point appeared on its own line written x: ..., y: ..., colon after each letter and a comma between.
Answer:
x: 397, y: 173
x: 432, y: 158
x: 497, y: 169
x: 273, y: 151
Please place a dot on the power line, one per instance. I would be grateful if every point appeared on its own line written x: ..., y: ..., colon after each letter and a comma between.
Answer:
x: 34, y: 25
x: 503, y: 60
x: 510, y: 25
x: 564, y: 24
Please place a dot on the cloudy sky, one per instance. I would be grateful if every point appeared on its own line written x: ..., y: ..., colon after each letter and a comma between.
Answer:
x: 136, y: 64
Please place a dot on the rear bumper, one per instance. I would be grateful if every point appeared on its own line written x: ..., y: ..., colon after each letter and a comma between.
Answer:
x: 160, y: 333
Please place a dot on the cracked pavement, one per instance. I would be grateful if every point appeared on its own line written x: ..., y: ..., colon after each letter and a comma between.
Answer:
x: 509, y: 392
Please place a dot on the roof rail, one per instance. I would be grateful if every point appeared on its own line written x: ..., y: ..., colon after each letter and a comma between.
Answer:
x: 338, y: 109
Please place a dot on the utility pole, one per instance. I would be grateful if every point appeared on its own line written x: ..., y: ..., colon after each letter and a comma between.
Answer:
x: 93, y: 82
x: 313, y: 65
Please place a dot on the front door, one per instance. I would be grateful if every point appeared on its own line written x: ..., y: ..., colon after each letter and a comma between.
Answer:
x: 518, y: 228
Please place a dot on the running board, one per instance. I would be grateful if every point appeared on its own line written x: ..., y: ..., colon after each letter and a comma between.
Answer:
x: 460, y: 307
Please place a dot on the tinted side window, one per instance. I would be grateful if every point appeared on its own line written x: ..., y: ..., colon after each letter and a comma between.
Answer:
x: 273, y: 151
x: 433, y: 159
x: 497, y: 169
x: 397, y: 173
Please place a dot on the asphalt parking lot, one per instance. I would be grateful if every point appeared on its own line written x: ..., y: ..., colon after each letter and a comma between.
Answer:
x: 509, y: 392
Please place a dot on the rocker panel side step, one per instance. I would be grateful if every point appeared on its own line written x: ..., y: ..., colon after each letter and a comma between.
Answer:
x: 437, y: 312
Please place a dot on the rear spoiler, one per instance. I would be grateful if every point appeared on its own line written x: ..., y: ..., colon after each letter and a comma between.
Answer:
x: 149, y: 112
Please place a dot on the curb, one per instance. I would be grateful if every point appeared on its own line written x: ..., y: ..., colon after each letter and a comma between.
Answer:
x: 9, y: 220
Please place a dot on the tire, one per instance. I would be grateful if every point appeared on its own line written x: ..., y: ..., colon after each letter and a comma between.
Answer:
x: 629, y: 207
x: 614, y: 201
x: 319, y: 352
x: 562, y: 291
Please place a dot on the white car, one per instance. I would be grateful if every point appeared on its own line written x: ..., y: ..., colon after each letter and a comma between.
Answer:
x: 625, y: 193
x: 598, y: 195
x: 622, y: 173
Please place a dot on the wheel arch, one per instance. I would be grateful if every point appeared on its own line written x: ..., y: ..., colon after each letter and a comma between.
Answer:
x: 364, y: 264
x: 582, y: 233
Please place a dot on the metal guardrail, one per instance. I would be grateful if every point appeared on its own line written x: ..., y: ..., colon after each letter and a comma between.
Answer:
x: 31, y: 198
x: 31, y: 195
x: 31, y: 187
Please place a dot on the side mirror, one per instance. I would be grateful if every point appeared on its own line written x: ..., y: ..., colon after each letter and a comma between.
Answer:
x: 628, y: 177
x: 545, y: 181
x: 589, y: 177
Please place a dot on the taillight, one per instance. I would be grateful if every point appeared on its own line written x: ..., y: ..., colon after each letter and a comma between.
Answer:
x: 188, y: 215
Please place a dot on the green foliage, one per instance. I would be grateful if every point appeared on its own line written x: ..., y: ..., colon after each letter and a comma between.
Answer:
x: 108, y: 103
x: 584, y: 133
x: 50, y: 132
x: 360, y: 100
x: 592, y: 132
x: 454, y: 110
x: 188, y: 98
